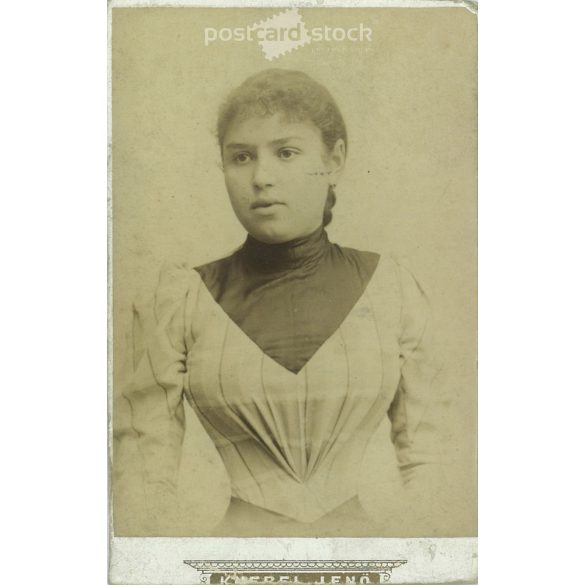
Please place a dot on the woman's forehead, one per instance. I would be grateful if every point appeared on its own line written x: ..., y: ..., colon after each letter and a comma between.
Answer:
x: 256, y: 130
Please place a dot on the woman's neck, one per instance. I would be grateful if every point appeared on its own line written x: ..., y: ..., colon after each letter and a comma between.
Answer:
x: 305, y: 251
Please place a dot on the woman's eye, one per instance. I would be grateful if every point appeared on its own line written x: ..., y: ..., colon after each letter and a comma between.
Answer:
x: 242, y: 157
x: 287, y: 153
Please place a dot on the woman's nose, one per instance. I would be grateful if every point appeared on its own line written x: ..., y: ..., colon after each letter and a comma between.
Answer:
x: 263, y: 173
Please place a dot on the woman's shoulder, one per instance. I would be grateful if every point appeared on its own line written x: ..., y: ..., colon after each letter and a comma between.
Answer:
x: 172, y: 283
x: 364, y: 260
x: 396, y: 266
x: 176, y: 277
x: 392, y: 274
x: 210, y: 269
x: 379, y: 262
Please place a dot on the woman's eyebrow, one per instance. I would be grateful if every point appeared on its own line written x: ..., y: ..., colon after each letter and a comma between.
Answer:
x: 284, y: 140
x: 277, y: 142
x: 238, y: 145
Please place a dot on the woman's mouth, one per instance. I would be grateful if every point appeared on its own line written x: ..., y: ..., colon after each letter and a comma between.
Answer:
x: 265, y: 206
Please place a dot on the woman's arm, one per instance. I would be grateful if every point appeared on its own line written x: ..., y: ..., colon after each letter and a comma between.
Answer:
x: 418, y: 411
x: 155, y: 392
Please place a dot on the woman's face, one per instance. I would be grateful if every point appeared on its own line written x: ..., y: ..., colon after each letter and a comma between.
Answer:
x: 277, y: 174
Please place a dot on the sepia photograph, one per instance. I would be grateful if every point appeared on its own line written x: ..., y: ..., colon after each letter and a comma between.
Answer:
x: 293, y: 272
x: 294, y: 365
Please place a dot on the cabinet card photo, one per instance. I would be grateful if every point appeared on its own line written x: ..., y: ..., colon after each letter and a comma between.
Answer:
x: 293, y: 284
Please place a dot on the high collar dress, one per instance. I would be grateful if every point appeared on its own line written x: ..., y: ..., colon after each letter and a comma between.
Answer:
x: 291, y: 355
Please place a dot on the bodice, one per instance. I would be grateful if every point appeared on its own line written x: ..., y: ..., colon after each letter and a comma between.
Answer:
x: 291, y: 439
x: 292, y: 442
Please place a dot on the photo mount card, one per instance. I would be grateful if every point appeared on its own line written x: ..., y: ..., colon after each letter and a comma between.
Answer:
x: 293, y: 292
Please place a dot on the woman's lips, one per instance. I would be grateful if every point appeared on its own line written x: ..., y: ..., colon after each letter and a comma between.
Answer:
x: 265, y: 207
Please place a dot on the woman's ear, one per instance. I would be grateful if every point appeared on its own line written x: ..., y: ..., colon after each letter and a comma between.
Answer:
x: 336, y: 160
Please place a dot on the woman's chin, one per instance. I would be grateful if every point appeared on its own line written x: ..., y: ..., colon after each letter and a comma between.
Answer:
x: 272, y: 238
x: 273, y: 234
x: 279, y: 232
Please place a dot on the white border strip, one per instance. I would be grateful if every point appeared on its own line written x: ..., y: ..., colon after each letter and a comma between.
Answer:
x: 152, y: 561
x: 468, y: 4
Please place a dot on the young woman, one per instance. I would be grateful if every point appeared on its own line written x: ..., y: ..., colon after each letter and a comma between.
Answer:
x: 293, y: 349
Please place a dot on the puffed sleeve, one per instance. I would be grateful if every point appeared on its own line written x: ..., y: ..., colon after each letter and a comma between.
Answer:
x: 155, y: 389
x: 417, y: 413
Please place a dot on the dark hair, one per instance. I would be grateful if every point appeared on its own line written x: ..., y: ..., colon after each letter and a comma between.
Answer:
x: 298, y: 97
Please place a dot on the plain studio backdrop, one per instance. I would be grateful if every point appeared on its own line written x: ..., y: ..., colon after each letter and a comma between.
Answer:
x: 408, y: 97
